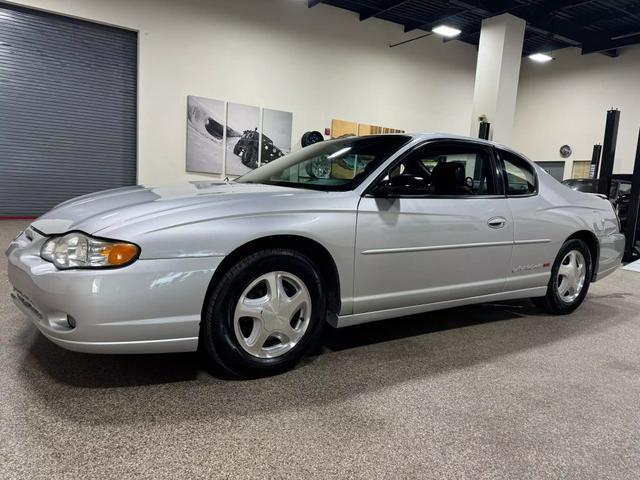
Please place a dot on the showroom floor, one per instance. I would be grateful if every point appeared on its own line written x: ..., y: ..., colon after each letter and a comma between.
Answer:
x: 492, y: 391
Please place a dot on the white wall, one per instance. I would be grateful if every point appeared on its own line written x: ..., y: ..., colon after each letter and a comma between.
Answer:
x: 319, y: 63
x: 565, y: 102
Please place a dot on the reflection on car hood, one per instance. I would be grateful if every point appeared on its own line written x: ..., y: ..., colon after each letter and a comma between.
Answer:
x: 94, y: 212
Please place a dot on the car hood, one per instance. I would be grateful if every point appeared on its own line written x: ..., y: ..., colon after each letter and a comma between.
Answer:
x: 111, y: 208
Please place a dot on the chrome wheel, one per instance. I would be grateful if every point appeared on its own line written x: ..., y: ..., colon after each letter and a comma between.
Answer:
x: 272, y: 314
x: 571, y: 276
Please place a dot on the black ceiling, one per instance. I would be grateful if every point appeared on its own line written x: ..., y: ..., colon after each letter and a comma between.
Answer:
x: 593, y: 25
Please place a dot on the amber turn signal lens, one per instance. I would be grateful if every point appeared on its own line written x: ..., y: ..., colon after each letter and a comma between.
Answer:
x: 120, y: 253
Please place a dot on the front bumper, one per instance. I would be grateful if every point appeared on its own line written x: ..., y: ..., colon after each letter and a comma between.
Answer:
x: 151, y: 306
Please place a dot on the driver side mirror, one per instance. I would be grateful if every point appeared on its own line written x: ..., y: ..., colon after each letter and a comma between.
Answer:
x: 381, y: 190
x: 404, y: 184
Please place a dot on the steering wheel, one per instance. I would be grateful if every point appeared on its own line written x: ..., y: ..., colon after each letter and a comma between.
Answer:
x: 469, y: 182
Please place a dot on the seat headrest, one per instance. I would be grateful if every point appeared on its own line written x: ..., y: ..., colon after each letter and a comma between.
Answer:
x: 449, y: 178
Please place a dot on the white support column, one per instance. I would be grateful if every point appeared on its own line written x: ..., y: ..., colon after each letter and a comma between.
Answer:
x: 497, y: 75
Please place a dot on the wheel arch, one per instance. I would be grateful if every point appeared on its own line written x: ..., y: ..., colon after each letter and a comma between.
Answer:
x: 594, y: 248
x: 311, y: 249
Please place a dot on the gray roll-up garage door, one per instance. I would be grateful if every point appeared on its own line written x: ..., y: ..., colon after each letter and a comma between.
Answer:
x: 67, y: 109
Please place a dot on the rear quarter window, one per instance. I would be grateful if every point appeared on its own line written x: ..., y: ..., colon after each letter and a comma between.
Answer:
x: 520, y: 178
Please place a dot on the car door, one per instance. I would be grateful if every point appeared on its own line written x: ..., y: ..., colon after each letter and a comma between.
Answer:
x: 435, y: 226
x: 535, y: 222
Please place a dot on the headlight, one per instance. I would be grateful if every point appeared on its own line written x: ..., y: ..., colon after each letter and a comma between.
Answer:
x: 78, y: 250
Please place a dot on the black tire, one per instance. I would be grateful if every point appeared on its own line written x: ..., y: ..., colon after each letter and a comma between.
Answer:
x: 552, y: 302
x: 309, y: 138
x: 217, y: 336
x: 237, y: 149
x: 250, y: 157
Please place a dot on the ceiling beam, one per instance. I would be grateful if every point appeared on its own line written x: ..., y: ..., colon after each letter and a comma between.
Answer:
x: 612, y: 14
x: 537, y: 33
x: 550, y: 7
x: 554, y: 35
x: 629, y: 12
x: 568, y: 4
x: 378, y: 11
x: 605, y: 46
x: 485, y: 8
x: 564, y: 30
x: 541, y: 17
x: 434, y: 21
x: 526, y: 52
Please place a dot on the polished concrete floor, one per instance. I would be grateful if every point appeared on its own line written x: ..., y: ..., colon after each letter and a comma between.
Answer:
x: 491, y: 391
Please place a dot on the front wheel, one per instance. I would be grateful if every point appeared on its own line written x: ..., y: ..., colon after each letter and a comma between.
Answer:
x: 570, y: 279
x: 264, y: 314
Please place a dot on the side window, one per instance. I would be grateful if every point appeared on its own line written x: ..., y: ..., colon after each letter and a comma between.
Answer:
x: 519, y: 176
x: 443, y: 170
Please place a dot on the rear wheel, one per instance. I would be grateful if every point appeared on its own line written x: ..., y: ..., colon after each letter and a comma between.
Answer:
x: 570, y: 279
x: 265, y: 313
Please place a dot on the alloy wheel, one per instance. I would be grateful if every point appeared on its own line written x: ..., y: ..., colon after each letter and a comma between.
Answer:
x: 571, y: 276
x: 272, y: 314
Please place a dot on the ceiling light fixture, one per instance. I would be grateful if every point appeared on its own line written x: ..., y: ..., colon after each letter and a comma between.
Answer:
x: 540, y: 57
x: 447, y: 31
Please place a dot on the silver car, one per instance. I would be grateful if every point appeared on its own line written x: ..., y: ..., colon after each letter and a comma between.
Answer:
x: 345, y: 232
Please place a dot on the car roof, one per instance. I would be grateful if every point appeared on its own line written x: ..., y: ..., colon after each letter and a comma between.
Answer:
x: 450, y: 136
x: 440, y: 136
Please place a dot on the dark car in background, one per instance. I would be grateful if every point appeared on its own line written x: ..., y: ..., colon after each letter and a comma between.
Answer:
x: 619, y: 194
x: 620, y: 185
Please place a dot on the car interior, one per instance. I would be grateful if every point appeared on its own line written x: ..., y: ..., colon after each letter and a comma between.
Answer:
x: 443, y: 172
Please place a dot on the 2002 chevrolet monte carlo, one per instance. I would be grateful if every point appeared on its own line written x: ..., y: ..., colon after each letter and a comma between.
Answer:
x: 345, y: 232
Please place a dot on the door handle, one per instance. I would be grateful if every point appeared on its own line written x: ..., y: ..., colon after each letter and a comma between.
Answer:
x: 497, y: 222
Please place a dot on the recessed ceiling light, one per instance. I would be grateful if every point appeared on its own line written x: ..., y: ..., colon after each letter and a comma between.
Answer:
x: 541, y: 57
x: 447, y: 31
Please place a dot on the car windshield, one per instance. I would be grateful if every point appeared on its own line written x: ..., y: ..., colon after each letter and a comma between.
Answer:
x: 332, y: 165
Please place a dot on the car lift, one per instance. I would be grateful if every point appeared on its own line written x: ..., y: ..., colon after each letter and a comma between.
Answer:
x: 609, y: 151
x: 595, y: 161
x: 634, y: 205
x: 604, y: 178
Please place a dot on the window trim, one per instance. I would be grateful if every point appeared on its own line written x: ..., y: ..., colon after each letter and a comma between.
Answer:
x: 498, y: 186
x: 503, y: 173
